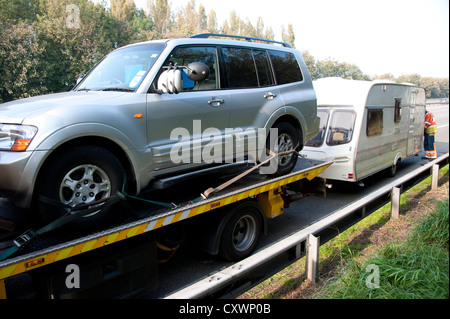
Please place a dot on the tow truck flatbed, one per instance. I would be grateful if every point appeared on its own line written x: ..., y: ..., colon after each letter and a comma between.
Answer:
x: 57, y: 248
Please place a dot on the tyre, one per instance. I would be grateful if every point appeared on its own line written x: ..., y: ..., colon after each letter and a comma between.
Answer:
x: 286, y: 140
x: 80, y: 175
x: 392, y: 170
x: 241, y: 234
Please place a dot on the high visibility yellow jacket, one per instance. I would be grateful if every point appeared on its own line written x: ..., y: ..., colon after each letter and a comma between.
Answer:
x: 430, y: 124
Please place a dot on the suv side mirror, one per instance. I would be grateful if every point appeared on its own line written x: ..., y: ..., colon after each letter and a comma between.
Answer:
x: 170, y: 81
x: 197, y: 71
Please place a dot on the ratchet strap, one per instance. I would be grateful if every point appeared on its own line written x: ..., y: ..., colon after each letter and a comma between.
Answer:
x: 211, y: 190
x: 167, y: 205
x: 72, y: 214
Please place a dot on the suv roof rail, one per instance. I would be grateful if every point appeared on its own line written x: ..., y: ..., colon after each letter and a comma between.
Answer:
x: 249, y: 39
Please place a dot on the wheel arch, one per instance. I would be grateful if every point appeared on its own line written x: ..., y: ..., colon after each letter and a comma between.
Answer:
x: 295, y: 123
x: 397, y: 158
x: 292, y: 116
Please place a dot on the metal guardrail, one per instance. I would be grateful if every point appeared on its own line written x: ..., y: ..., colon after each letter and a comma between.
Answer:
x: 435, y: 102
x: 240, y: 277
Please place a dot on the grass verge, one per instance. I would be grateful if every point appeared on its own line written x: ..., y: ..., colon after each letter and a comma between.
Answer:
x: 415, y: 269
x: 374, y: 237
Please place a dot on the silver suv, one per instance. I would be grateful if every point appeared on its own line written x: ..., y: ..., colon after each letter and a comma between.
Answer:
x: 151, y: 110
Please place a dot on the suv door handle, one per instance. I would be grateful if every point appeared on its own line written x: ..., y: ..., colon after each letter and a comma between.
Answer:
x: 269, y: 95
x: 216, y: 101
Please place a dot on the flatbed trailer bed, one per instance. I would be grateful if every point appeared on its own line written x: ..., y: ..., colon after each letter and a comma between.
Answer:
x: 60, y: 245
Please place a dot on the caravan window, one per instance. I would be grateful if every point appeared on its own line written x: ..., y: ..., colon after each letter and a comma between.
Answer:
x: 317, y: 140
x: 397, y: 110
x: 341, y: 127
x: 374, y: 122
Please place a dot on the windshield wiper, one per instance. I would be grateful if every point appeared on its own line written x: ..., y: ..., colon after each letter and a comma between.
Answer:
x: 117, y: 89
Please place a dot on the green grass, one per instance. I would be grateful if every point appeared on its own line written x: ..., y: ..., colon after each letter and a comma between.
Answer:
x: 344, y: 249
x: 416, y: 269
x: 433, y: 230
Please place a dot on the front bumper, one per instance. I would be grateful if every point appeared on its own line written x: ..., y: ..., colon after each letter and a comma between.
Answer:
x: 15, y: 182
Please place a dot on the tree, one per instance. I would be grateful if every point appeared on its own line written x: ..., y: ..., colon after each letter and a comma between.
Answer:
x: 142, y: 27
x: 234, y: 26
x: 288, y: 36
x: 268, y: 34
x: 188, y: 21
x: 42, y: 50
x: 159, y: 13
x: 410, y: 78
x: 202, y: 19
x: 237, y: 26
x: 20, y: 57
x: 259, y: 29
x: 212, y: 26
x: 444, y: 87
x: 333, y: 68
x: 18, y: 11
x: 123, y: 12
x: 71, y: 50
x: 386, y: 76
x: 310, y: 64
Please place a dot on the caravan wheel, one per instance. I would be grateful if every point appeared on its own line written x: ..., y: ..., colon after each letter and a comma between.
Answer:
x: 392, y: 171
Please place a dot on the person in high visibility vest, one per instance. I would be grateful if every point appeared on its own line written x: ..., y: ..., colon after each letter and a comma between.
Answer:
x: 430, y: 131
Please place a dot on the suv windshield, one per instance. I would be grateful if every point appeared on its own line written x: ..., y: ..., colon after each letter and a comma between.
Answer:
x: 123, y: 69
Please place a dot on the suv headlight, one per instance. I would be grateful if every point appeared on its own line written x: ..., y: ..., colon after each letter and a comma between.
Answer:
x: 16, y: 137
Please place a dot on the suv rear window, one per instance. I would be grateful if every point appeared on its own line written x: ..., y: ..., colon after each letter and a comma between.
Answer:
x: 286, y: 67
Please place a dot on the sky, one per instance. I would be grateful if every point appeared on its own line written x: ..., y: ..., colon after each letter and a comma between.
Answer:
x: 380, y: 36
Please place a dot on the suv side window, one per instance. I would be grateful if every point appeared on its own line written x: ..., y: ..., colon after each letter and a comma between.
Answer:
x: 262, y: 62
x: 184, y: 55
x: 286, y: 67
x: 240, y: 68
x: 247, y: 68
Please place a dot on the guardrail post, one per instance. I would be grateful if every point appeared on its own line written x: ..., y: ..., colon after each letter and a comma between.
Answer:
x: 434, y: 176
x: 312, y: 257
x: 395, y: 202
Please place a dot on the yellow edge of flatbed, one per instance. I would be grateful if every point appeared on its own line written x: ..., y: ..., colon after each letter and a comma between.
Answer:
x: 17, y: 265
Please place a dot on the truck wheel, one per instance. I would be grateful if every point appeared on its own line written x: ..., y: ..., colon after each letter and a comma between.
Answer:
x: 80, y: 175
x: 241, y: 234
x: 286, y: 140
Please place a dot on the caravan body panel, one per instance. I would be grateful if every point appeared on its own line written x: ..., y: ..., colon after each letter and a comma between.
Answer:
x: 366, y: 126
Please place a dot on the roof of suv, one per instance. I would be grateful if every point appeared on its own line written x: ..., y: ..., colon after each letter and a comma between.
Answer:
x: 248, y: 39
x: 200, y: 38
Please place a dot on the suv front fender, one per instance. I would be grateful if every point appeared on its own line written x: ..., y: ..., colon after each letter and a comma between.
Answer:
x: 74, y: 135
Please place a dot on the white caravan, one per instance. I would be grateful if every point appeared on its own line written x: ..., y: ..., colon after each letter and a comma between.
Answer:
x: 366, y: 126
